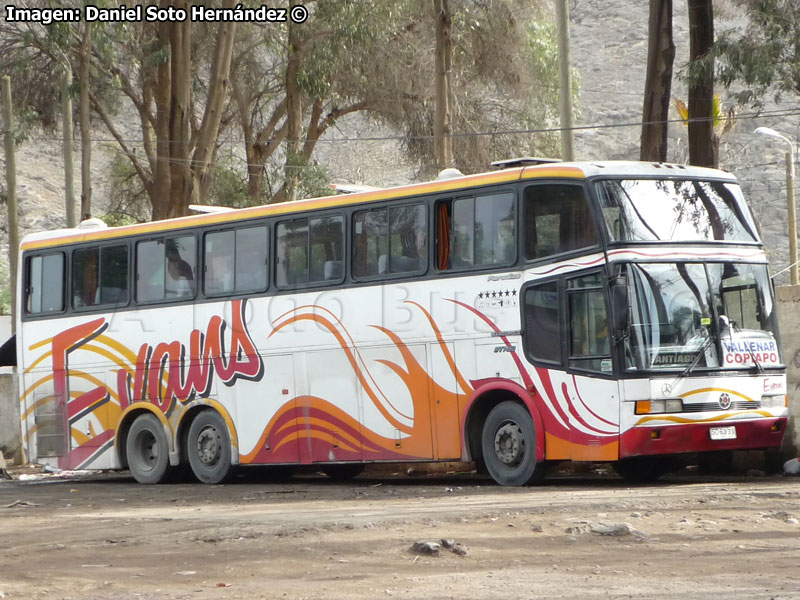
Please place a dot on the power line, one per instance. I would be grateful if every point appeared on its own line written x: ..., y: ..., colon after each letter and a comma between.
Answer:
x: 603, y: 126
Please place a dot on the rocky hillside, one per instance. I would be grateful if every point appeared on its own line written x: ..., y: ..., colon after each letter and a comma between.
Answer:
x: 609, y: 48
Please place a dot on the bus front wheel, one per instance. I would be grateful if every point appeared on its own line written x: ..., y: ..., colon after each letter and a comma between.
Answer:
x: 147, y: 450
x: 508, y: 442
x: 208, y: 447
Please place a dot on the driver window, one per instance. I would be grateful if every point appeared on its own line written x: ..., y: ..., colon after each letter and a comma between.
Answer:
x: 589, y: 344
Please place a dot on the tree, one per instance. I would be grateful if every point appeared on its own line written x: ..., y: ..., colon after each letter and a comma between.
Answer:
x: 764, y: 56
x: 160, y: 83
x: 158, y: 67
x: 703, y: 144
x: 658, y: 82
x: 379, y: 58
x: 503, y: 70
x: 290, y: 85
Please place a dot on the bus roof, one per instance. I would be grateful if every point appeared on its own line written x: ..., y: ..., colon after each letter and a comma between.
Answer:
x: 558, y: 170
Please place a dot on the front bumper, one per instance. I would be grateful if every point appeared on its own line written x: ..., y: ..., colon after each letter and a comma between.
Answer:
x: 695, y: 437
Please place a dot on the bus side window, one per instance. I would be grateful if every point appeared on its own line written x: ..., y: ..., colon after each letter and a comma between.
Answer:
x: 477, y: 231
x: 235, y: 261
x: 114, y: 275
x: 390, y: 241
x: 542, y: 337
x: 291, y: 253
x: 326, y: 249
x: 220, y: 266
x: 85, y: 271
x: 99, y: 276
x: 251, y: 259
x: 557, y: 219
x: 165, y: 269
x: 45, y: 284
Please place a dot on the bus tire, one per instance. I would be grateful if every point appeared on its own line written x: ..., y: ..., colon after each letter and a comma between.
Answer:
x: 344, y: 471
x: 147, y: 450
x: 508, y: 442
x: 208, y: 447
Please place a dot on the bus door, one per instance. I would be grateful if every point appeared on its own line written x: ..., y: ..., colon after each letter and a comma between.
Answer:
x: 566, y: 333
x: 592, y: 390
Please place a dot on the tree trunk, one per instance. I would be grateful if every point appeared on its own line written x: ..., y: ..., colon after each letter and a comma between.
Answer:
x: 294, y: 119
x: 442, y: 125
x: 217, y: 94
x: 85, y: 125
x: 160, y: 190
x: 702, y: 143
x: 180, y: 106
x: 66, y: 117
x: 658, y: 83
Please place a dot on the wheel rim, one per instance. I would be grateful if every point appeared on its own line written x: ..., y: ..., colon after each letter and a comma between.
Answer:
x: 509, y: 444
x: 147, y: 450
x: 209, y: 447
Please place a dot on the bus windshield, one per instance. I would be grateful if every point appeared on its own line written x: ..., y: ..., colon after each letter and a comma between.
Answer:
x: 712, y: 315
x: 643, y: 210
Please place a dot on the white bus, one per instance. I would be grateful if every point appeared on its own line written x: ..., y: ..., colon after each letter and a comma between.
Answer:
x: 608, y: 311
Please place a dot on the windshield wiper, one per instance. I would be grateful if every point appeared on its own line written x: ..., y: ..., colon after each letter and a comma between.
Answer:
x: 698, y: 356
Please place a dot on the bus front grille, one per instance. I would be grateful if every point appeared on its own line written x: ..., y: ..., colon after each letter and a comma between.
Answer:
x: 715, y: 406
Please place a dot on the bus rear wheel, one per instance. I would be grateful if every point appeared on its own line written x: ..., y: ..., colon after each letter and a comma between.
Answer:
x: 508, y: 442
x: 147, y: 450
x: 208, y: 447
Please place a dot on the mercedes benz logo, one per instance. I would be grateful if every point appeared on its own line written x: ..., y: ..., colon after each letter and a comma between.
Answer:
x: 724, y: 401
x: 666, y: 389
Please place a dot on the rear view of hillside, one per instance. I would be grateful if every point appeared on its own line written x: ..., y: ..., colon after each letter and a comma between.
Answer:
x: 609, y: 48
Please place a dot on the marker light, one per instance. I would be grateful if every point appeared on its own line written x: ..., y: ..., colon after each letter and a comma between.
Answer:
x: 772, y: 401
x: 648, y: 407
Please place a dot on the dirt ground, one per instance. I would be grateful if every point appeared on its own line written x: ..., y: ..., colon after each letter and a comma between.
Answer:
x: 586, y: 536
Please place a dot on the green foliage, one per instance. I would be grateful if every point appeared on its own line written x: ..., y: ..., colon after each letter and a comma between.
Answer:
x: 314, y: 181
x: 764, y: 57
x: 504, y: 79
x: 117, y: 219
x: 228, y: 187
x: 129, y: 200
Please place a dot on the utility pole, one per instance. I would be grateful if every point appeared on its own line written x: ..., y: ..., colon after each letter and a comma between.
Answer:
x: 442, y: 124
x: 86, y: 142
x: 11, y: 196
x: 66, y: 117
x: 792, y: 214
x: 565, y: 81
x: 791, y: 209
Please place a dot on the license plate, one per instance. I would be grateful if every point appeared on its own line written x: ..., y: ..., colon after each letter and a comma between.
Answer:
x: 722, y: 433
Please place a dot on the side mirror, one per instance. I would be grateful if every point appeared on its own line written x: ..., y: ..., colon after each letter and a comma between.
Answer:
x: 620, y: 308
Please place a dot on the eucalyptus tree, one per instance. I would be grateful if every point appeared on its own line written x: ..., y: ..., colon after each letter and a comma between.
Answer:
x: 762, y: 58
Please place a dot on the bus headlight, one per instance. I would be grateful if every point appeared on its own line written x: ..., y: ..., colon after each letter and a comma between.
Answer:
x: 668, y: 405
x: 779, y: 401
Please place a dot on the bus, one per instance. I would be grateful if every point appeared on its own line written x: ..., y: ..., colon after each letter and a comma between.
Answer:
x: 611, y: 311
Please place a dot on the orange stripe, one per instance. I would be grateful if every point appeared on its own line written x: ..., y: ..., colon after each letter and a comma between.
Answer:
x: 705, y: 390
x: 721, y: 417
x: 298, y: 206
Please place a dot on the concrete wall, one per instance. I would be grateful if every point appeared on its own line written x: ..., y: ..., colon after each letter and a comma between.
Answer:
x: 789, y: 316
x: 10, y: 443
